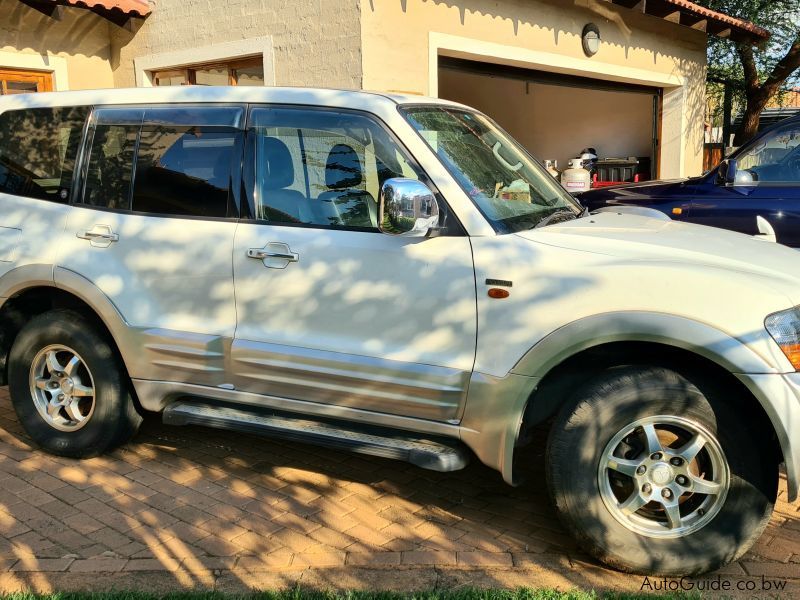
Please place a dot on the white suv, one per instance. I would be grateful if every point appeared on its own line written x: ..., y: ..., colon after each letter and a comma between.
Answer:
x: 393, y: 276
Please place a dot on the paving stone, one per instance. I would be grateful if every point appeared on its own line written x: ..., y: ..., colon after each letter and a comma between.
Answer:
x: 485, y: 559
x: 428, y: 557
x: 98, y: 565
x: 43, y: 565
x: 212, y: 508
x: 151, y: 564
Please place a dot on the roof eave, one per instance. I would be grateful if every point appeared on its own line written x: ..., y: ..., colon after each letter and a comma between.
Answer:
x: 124, y: 14
x: 690, y: 14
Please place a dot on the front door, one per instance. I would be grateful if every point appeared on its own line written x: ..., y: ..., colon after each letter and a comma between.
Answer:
x: 153, y: 230
x: 767, y: 186
x: 329, y: 309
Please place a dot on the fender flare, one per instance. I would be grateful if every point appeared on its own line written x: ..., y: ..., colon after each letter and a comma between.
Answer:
x: 641, y: 326
x: 496, y: 405
x: 44, y: 275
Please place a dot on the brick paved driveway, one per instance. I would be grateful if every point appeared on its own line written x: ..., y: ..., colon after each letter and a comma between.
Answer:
x: 190, y: 507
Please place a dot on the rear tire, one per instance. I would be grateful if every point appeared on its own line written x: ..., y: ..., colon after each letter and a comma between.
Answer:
x: 636, y: 501
x: 68, y: 386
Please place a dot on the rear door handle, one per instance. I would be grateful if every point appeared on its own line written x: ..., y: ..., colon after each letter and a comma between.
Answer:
x: 275, y: 255
x: 100, y: 236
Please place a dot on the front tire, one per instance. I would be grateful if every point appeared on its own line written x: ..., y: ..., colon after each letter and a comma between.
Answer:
x: 654, y: 476
x: 68, y: 387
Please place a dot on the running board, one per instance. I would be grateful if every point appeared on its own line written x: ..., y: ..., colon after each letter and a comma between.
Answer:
x: 433, y: 455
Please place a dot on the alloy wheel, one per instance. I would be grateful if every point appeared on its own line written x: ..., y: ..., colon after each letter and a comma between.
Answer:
x: 62, y: 388
x: 663, y: 476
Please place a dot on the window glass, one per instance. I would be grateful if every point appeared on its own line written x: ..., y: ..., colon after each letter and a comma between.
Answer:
x: 321, y: 167
x: 512, y: 191
x: 108, y: 172
x: 248, y: 72
x: 184, y: 170
x: 249, y: 76
x: 171, y: 78
x: 212, y: 76
x: 773, y: 159
x: 38, y: 148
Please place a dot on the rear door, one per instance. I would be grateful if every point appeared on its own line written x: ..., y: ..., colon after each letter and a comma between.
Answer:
x: 153, y: 229
x: 767, y: 186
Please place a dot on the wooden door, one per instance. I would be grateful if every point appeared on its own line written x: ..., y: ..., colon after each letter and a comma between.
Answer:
x: 21, y: 82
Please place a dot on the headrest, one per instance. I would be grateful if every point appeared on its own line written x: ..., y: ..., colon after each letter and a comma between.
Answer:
x: 343, y: 169
x: 278, y: 165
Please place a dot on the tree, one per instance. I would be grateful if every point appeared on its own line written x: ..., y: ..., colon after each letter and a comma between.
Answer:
x: 756, y: 74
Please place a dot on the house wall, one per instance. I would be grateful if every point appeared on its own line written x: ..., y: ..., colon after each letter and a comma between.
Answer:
x: 402, y: 40
x: 314, y: 42
x: 76, y: 49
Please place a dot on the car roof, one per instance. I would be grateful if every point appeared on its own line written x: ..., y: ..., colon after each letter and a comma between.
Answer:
x: 362, y: 100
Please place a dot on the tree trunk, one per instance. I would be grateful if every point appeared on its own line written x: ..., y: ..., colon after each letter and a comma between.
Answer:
x: 750, y: 120
x: 758, y: 92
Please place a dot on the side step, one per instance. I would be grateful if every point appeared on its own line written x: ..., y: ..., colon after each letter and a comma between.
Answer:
x: 433, y: 455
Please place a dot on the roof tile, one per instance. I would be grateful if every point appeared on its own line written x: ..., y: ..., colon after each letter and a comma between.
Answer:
x: 133, y: 8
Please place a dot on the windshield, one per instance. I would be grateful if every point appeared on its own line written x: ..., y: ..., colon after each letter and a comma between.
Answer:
x: 511, y: 190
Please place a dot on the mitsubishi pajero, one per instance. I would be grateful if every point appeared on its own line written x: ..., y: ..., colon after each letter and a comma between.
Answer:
x: 394, y: 276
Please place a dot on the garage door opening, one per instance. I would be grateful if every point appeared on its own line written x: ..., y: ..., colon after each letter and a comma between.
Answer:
x: 556, y: 116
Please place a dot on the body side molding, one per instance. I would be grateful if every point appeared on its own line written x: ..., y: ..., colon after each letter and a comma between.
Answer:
x: 160, y: 394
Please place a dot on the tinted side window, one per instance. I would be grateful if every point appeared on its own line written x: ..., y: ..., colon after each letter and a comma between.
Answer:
x: 321, y: 167
x: 184, y: 170
x: 108, y: 173
x: 775, y: 159
x: 38, y: 148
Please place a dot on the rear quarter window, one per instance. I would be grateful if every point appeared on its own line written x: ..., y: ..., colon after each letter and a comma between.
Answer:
x: 38, y: 148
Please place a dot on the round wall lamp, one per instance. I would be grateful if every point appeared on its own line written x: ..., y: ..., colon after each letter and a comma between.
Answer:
x: 590, y: 39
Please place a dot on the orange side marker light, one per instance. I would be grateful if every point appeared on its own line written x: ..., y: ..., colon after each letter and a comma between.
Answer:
x: 498, y: 293
x: 677, y: 210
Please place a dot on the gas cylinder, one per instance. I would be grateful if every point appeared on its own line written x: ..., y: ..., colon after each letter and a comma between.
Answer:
x: 576, y: 178
x: 552, y: 168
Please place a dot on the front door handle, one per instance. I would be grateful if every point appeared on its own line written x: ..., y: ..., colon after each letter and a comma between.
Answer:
x: 261, y: 254
x: 275, y: 255
x: 99, y: 236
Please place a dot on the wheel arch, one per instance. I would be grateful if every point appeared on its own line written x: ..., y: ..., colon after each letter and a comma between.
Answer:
x: 568, y: 376
x: 27, y: 292
x: 558, y: 364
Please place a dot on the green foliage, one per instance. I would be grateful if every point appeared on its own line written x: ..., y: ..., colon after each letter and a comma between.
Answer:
x: 779, y: 17
x: 725, y: 61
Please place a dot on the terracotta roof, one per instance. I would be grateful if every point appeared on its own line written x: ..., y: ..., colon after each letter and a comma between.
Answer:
x: 131, y: 8
x: 692, y: 14
x: 719, y: 16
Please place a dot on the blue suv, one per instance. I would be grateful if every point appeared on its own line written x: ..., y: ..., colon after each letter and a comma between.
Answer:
x: 761, y: 179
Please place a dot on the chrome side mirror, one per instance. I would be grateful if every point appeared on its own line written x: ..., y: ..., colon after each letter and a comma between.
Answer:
x: 407, y: 207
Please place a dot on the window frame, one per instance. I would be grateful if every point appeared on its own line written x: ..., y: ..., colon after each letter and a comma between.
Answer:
x: 451, y: 226
x: 42, y: 79
x: 189, y: 72
x: 234, y: 206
